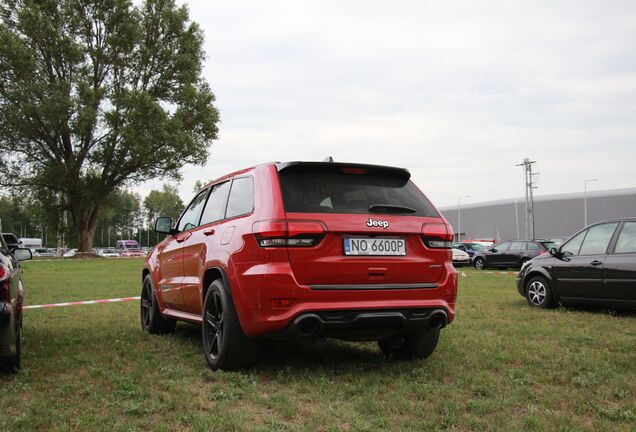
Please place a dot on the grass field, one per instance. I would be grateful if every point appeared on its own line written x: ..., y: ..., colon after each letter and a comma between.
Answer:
x: 499, y: 366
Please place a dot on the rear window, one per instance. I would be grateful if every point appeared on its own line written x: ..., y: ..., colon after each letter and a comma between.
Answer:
x: 320, y: 191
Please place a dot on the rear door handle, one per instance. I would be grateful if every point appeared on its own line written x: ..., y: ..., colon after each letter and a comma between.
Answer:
x: 208, y: 232
x: 596, y: 263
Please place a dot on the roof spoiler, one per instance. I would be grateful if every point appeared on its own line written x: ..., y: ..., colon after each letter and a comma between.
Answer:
x: 343, y: 167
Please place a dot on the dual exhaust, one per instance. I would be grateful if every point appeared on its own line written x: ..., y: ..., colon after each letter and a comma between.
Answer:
x: 308, y: 325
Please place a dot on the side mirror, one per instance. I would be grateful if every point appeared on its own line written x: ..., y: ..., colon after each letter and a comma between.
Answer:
x: 493, y: 250
x: 22, y: 254
x: 163, y: 225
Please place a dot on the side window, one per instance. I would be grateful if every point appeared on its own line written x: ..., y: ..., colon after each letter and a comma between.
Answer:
x: 627, y: 240
x: 572, y: 247
x: 190, y: 218
x: 501, y: 246
x: 533, y: 246
x: 516, y: 246
x: 597, y: 239
x: 241, y: 197
x: 215, y: 207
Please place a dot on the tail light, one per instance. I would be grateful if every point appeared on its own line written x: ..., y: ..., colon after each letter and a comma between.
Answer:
x: 5, y: 295
x: 437, y: 235
x: 288, y: 233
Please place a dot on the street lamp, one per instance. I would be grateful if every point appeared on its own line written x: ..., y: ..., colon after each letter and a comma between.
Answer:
x: 585, y: 199
x: 459, y: 216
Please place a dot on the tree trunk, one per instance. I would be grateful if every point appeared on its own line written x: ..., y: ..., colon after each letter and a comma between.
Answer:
x: 85, y: 225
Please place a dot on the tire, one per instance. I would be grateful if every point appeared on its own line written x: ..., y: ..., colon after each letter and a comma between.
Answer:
x: 225, y: 346
x: 151, y: 319
x: 480, y: 263
x: 539, y: 293
x: 12, y: 363
x: 416, y: 346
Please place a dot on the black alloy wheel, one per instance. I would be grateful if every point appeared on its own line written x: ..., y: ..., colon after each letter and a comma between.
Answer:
x: 214, y: 327
x: 150, y: 316
x: 225, y: 346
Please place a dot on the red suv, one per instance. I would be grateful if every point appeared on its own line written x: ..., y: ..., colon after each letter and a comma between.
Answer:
x: 304, y: 249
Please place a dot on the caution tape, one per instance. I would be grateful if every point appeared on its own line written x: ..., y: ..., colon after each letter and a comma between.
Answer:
x: 77, y: 303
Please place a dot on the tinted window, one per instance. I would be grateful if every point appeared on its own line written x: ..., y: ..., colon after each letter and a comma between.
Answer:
x: 597, y: 239
x: 215, y: 207
x: 318, y: 191
x: 627, y: 240
x: 501, y: 246
x: 572, y: 247
x: 241, y: 197
x: 516, y: 246
x: 190, y: 218
x: 533, y: 246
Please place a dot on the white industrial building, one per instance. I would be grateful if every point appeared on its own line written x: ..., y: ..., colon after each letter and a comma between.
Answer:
x: 554, y: 215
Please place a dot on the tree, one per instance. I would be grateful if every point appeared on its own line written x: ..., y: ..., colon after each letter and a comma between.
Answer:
x: 163, y: 203
x: 99, y: 94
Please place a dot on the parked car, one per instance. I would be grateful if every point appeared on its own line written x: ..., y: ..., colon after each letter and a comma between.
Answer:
x: 304, y: 249
x: 510, y: 253
x: 43, y: 252
x: 108, y: 253
x: 470, y: 247
x: 460, y: 258
x: 11, y: 298
x: 484, y: 242
x: 131, y: 253
x: 70, y: 253
x: 595, y: 266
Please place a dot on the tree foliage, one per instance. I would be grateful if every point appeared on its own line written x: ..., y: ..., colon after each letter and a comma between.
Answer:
x: 165, y: 202
x: 99, y: 94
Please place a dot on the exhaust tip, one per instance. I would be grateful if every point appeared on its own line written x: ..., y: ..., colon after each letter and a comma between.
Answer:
x: 308, y: 326
x: 437, y: 320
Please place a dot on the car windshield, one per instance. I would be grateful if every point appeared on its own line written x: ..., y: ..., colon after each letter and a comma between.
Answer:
x: 475, y: 246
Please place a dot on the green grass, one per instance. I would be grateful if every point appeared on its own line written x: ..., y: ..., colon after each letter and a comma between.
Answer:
x: 499, y: 366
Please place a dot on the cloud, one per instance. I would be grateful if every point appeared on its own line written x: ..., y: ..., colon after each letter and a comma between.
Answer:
x: 458, y: 92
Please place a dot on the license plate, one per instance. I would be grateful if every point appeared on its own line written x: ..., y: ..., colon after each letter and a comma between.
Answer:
x: 374, y: 246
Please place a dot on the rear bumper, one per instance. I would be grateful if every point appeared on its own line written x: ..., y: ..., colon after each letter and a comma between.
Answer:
x: 340, y: 312
x: 362, y: 324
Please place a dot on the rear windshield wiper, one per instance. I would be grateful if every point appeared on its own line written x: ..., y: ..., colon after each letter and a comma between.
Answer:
x: 390, y: 208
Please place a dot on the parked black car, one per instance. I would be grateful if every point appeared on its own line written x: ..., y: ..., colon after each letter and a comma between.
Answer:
x: 11, y: 295
x: 595, y: 266
x: 512, y: 253
x: 470, y: 248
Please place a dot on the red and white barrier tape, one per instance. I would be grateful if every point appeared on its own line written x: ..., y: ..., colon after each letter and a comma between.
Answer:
x: 77, y: 303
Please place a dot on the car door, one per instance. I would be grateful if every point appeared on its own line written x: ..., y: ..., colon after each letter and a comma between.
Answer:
x: 579, y: 271
x: 170, y: 256
x: 512, y: 257
x: 619, y: 272
x: 497, y: 255
x: 203, y: 243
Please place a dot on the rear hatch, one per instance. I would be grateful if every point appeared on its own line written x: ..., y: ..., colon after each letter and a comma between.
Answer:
x: 370, y: 224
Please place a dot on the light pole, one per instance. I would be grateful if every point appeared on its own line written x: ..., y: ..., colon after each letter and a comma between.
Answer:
x: 585, y: 199
x: 459, y: 216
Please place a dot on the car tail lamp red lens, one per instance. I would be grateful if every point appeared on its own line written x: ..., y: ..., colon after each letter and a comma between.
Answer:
x: 5, y: 295
x: 293, y: 233
x: 437, y: 235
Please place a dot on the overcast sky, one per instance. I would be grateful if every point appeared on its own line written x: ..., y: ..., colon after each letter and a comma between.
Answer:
x: 458, y: 92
